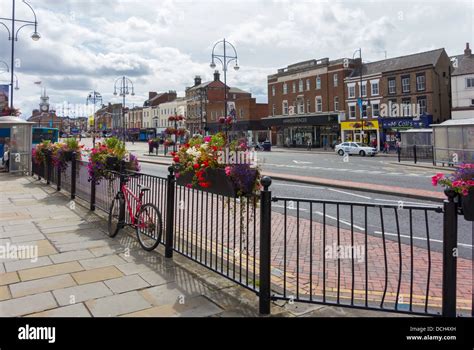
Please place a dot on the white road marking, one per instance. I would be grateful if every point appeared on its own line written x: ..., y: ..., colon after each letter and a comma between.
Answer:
x: 299, y: 162
x: 405, y: 202
x: 420, y: 238
x: 302, y: 186
x: 348, y: 193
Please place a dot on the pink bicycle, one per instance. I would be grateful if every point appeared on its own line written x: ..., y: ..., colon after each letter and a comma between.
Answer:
x: 145, y: 218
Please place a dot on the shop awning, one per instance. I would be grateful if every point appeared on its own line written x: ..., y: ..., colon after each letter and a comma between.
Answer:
x: 301, y: 119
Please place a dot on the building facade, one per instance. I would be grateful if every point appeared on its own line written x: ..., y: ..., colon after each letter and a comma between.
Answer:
x: 462, y: 82
x: 305, y: 100
x: 396, y: 94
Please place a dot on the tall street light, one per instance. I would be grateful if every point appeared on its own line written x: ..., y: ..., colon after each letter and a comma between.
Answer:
x: 225, y: 59
x: 125, y: 87
x: 95, y: 98
x: 17, y: 87
x: 13, y: 36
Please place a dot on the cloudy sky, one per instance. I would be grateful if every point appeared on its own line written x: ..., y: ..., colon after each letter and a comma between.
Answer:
x: 161, y: 45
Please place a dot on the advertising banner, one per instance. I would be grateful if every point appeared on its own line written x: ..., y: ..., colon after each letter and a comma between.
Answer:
x: 4, y: 98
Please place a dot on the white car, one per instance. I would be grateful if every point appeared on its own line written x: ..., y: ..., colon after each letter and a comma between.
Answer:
x: 355, y: 148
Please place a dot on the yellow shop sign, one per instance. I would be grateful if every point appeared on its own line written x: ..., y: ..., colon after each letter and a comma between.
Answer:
x: 357, y: 125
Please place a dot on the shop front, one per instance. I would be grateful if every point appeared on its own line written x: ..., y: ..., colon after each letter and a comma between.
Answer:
x: 391, y: 127
x: 321, y: 130
x: 366, y: 132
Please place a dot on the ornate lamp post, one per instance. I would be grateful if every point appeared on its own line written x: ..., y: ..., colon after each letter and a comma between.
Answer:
x: 13, y: 37
x: 95, y: 98
x: 225, y: 59
x: 125, y: 87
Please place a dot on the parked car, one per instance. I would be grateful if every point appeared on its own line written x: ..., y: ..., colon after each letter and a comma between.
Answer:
x: 355, y: 148
x: 267, y: 146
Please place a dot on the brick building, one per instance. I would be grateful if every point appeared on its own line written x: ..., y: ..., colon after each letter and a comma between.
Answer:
x: 305, y: 100
x: 206, y: 104
x: 462, y: 82
x: 103, y: 117
x: 396, y: 94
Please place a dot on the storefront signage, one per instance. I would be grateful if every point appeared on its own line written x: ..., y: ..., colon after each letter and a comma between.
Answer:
x: 405, y: 123
x: 295, y: 121
x: 357, y: 125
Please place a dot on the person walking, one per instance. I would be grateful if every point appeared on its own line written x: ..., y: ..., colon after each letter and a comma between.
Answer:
x: 6, y: 158
x: 309, y: 144
x: 386, y: 147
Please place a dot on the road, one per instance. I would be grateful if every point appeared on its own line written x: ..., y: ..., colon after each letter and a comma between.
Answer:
x: 435, y: 222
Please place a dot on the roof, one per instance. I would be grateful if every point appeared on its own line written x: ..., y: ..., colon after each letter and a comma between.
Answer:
x: 398, y: 63
x: 454, y: 122
x: 465, y: 65
x: 415, y: 130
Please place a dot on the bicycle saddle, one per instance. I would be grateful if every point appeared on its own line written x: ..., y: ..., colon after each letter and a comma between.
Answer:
x: 143, y: 188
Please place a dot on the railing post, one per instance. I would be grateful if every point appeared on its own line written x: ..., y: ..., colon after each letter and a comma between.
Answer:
x: 48, y: 167
x: 73, y: 175
x: 433, y: 155
x: 414, y: 152
x: 59, y: 180
x: 450, y: 239
x: 93, y: 186
x: 170, y: 213
x: 265, y: 246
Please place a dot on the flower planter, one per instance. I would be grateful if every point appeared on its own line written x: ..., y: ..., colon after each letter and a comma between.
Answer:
x: 112, y: 163
x: 221, y: 184
x: 468, y: 206
x: 67, y: 156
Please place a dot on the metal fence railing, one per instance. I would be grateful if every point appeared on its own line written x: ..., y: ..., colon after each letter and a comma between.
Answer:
x: 415, y: 153
x: 360, y: 255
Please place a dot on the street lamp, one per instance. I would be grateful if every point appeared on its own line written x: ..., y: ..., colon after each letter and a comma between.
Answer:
x: 225, y: 59
x: 94, y: 97
x: 13, y: 36
x: 360, y: 100
x: 17, y: 87
x: 125, y: 87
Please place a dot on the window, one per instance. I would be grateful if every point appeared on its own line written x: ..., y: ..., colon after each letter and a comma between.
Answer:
x: 364, y: 89
x: 393, y: 108
x: 285, y: 88
x: 406, y: 83
x: 392, y: 86
x: 421, y: 102
x: 273, y: 90
x: 470, y: 82
x: 300, y: 86
x: 285, y: 107
x: 318, y: 82
x: 472, y: 102
x: 308, y: 105
x: 406, y: 107
x: 345, y: 144
x: 352, y: 91
x: 273, y: 109
x: 364, y: 111
x: 375, y: 88
x: 308, y: 85
x: 300, y: 106
x: 375, y: 110
x: 319, y: 104
x: 352, y: 111
x: 420, y: 82
x: 294, y: 87
x: 334, y: 79
x: 336, y: 104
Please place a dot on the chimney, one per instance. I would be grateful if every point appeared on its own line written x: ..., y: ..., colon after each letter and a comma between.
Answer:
x: 152, y: 94
x: 217, y: 76
x: 197, y: 80
x: 467, y: 50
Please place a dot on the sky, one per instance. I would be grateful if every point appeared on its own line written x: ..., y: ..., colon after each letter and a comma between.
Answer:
x: 161, y: 45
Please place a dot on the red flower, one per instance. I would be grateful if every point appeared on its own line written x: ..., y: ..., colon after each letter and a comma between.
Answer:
x: 205, y: 184
x: 176, y: 159
x: 205, y: 164
x: 196, y: 166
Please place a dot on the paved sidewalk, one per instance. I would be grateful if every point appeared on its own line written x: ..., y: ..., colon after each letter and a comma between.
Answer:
x: 79, y: 271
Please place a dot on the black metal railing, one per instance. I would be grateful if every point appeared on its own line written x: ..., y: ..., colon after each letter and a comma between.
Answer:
x: 360, y: 255
x: 415, y: 153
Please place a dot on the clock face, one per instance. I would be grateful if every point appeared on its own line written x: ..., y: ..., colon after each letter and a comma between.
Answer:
x: 44, y: 108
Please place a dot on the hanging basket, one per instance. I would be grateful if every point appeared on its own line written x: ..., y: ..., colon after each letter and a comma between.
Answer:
x: 112, y: 163
x: 467, y: 203
x: 221, y: 184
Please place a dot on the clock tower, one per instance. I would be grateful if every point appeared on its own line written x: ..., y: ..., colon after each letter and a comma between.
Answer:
x: 44, y: 104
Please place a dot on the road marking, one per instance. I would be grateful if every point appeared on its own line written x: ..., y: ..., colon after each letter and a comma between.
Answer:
x: 348, y: 193
x: 420, y: 238
x: 299, y: 162
x: 302, y: 186
x: 405, y: 202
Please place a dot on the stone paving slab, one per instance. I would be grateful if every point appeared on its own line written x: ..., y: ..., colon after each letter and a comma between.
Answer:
x: 51, y: 270
x: 81, y: 293
x: 27, y: 305
x: 99, y: 274
x: 117, y: 304
x: 76, y: 310
x: 41, y: 285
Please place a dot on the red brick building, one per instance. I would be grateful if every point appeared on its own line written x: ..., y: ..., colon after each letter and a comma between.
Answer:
x: 305, y: 100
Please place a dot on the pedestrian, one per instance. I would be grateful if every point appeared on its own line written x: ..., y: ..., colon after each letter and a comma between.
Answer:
x: 309, y: 144
x: 287, y: 142
x: 386, y: 147
x: 6, y: 158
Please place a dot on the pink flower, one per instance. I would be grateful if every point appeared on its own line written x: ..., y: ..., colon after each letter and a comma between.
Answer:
x: 177, y: 175
x: 207, y: 139
x: 227, y: 170
x: 465, y: 192
x: 436, y: 178
x: 189, y: 186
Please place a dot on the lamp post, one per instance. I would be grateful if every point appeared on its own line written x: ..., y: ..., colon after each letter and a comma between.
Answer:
x: 13, y: 36
x: 17, y: 87
x: 225, y: 59
x: 360, y: 100
x: 94, y: 97
x: 125, y: 87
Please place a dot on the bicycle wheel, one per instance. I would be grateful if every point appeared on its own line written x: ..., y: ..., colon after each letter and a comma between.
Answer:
x: 116, y: 216
x: 149, y: 227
